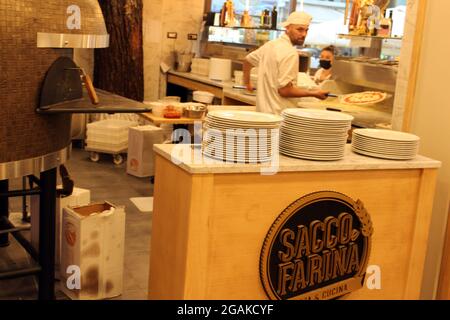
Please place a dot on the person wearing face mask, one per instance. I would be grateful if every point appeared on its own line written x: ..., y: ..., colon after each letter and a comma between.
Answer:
x: 326, y: 64
x: 278, y: 66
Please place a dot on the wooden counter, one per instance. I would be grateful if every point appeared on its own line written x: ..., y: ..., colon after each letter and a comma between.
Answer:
x: 210, y: 220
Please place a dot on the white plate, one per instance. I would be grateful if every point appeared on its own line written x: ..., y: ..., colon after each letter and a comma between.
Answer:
x: 313, y: 145
x: 318, y: 143
x: 262, y: 123
x: 236, y: 155
x: 315, y: 134
x: 389, y: 141
x: 235, y: 148
x: 316, y: 129
x: 243, y: 137
x: 239, y: 140
x: 406, y: 155
x: 382, y: 156
x: 312, y: 140
x: 306, y: 157
x: 386, y: 143
x: 246, y: 144
x: 234, y: 126
x: 387, y: 135
x: 239, y: 159
x: 241, y: 131
x: 321, y: 149
x: 316, y: 122
x: 317, y: 114
x: 345, y: 126
x: 384, y: 149
x: 325, y: 153
x: 245, y: 116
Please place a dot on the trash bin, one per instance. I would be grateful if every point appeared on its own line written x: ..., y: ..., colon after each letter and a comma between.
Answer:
x: 92, y: 251
x: 79, y: 197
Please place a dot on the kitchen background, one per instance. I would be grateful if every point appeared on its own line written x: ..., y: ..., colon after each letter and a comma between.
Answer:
x: 429, y: 115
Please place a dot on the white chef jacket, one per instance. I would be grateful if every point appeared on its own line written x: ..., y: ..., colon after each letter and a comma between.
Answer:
x: 318, y: 76
x: 278, y: 65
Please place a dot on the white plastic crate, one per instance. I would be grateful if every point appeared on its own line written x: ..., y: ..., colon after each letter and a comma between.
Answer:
x: 106, y: 147
x: 107, y: 138
x: 110, y: 127
x: 109, y: 131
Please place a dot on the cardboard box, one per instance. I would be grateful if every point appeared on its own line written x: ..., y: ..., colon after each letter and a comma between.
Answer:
x: 140, y: 158
x: 92, y: 251
x: 79, y: 197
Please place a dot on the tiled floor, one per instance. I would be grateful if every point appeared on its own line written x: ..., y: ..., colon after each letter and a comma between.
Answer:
x: 106, y: 181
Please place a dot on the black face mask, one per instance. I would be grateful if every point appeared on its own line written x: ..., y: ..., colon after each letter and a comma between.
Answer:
x: 325, y: 64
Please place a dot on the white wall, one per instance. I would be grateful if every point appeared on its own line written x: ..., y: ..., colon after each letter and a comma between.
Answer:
x: 431, y: 121
x: 160, y: 17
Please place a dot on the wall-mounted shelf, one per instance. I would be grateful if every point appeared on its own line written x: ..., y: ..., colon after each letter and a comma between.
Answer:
x: 241, y: 36
x: 351, y: 36
x: 250, y: 28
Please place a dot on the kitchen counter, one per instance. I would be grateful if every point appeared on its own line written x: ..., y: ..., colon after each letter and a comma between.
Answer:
x: 201, y: 78
x: 365, y: 116
x: 221, y: 89
x: 193, y: 163
x: 212, y: 219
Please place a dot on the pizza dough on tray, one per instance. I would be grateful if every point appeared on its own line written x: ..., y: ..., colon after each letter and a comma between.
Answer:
x: 364, y: 98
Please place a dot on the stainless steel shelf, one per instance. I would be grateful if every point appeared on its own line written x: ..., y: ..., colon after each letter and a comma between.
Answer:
x: 351, y: 36
x: 249, y: 28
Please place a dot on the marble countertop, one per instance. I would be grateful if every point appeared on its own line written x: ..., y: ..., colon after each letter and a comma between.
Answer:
x: 194, y: 162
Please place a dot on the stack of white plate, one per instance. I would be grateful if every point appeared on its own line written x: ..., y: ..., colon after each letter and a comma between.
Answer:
x: 314, y: 134
x: 241, y: 136
x: 385, y: 144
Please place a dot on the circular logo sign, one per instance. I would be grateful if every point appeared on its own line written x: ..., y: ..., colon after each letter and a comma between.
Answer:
x: 317, y: 249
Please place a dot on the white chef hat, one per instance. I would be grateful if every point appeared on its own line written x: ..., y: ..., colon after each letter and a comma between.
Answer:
x: 298, y: 17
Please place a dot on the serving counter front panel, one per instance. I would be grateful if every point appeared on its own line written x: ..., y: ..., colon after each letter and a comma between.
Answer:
x: 209, y: 228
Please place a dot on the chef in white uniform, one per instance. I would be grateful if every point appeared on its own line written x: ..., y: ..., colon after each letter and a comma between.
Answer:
x: 278, y: 67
